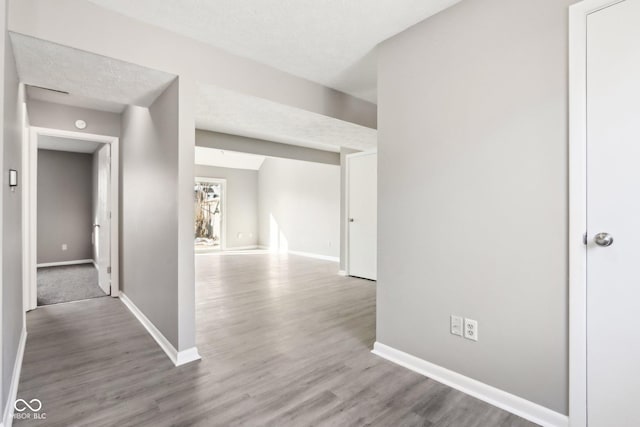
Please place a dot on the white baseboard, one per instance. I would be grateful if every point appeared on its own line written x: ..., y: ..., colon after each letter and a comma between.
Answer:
x: 316, y: 256
x: 342, y: 273
x: 58, y: 264
x: 516, y: 405
x: 177, y: 357
x: 304, y: 254
x: 7, y: 419
x: 241, y: 248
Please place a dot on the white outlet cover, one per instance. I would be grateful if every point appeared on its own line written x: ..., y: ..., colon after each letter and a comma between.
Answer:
x: 456, y: 325
x: 471, y: 329
x: 64, y: 246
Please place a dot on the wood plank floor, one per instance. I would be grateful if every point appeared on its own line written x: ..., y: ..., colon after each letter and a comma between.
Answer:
x: 284, y: 341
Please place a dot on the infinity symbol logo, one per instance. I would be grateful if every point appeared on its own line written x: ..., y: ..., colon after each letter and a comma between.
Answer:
x: 21, y: 405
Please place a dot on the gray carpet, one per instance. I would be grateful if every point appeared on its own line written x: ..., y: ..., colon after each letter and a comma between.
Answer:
x: 67, y: 283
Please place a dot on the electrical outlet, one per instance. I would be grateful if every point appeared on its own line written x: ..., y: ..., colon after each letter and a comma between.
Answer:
x: 64, y: 246
x: 239, y: 235
x: 471, y: 329
x: 456, y: 325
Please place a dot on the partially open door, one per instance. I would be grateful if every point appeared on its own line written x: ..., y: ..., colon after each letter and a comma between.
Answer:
x: 102, y: 226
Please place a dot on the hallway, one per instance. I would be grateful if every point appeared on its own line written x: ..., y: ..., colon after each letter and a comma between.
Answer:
x: 284, y: 341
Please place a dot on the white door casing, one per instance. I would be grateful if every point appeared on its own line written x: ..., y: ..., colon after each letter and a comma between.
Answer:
x: 29, y: 214
x: 362, y: 215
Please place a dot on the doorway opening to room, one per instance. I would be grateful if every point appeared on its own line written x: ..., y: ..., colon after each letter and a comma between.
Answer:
x: 71, y: 208
x: 209, y: 214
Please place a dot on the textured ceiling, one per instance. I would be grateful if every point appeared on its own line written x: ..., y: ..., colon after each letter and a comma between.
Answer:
x: 46, y: 142
x: 38, y: 94
x: 326, y: 41
x: 227, y: 159
x: 225, y: 111
x: 86, y: 75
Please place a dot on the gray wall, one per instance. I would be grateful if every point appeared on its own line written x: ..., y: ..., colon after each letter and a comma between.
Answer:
x: 241, y: 203
x: 58, y: 116
x: 303, y: 199
x: 473, y: 192
x: 225, y: 141
x: 149, y: 210
x: 65, y: 197
x: 12, y: 120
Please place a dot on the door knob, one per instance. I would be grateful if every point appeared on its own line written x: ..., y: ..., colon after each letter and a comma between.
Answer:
x: 603, y: 239
x: 351, y: 220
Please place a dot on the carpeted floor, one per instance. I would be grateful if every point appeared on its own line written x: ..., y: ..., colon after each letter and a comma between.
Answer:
x: 67, y: 283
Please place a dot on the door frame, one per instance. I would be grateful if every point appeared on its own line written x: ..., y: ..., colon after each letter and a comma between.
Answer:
x: 578, y: 14
x: 223, y: 219
x: 30, y: 207
x: 347, y: 198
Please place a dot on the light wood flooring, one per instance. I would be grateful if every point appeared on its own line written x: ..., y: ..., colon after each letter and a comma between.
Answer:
x: 284, y: 341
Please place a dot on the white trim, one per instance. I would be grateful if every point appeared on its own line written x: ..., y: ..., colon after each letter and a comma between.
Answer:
x: 30, y: 206
x: 61, y: 263
x: 578, y: 14
x: 316, y: 256
x: 304, y: 254
x: 342, y: 273
x: 177, y: 357
x: 242, y: 248
x: 15, y: 380
x: 223, y: 219
x: 516, y: 405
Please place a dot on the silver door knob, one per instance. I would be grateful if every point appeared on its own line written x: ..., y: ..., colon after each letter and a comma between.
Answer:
x: 603, y: 239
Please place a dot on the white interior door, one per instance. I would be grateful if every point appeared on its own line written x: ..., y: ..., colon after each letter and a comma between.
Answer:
x: 362, y: 207
x: 103, y: 217
x: 613, y: 207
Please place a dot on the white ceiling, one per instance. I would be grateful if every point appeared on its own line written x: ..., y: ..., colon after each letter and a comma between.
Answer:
x: 46, y: 142
x: 101, y: 83
x: 227, y: 159
x: 86, y: 75
x: 326, y: 41
x: 226, y: 111
x: 72, y: 100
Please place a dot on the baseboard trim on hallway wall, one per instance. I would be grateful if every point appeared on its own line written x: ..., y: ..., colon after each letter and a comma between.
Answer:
x: 7, y: 419
x: 177, y: 357
x: 240, y: 248
x: 316, y: 256
x: 304, y: 254
x: 61, y: 263
x: 509, y: 402
x: 342, y: 273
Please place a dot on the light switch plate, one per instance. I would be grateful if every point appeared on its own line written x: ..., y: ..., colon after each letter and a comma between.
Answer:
x: 456, y: 325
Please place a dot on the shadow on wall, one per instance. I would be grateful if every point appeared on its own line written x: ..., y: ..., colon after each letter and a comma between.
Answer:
x: 278, y: 242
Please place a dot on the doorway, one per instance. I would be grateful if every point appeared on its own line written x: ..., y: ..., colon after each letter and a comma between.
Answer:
x: 362, y: 215
x: 210, y: 194
x: 70, y: 210
x: 604, y: 224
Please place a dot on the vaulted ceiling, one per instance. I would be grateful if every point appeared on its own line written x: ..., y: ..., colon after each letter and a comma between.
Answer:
x: 330, y: 42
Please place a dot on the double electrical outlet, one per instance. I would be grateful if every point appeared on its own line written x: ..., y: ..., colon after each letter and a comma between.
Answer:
x: 467, y: 328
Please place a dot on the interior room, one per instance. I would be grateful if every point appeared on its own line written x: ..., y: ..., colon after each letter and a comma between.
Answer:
x: 319, y: 213
x: 72, y: 220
